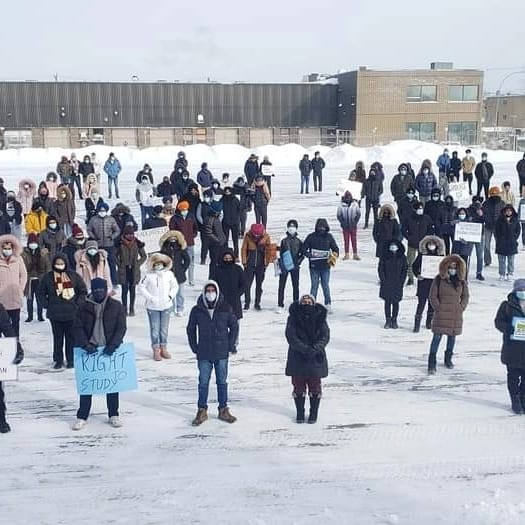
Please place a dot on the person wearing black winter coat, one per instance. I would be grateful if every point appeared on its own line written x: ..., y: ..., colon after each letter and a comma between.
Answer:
x: 491, y: 211
x: 520, y: 168
x: 61, y: 292
x: 175, y: 248
x: 231, y: 209
x: 251, y: 169
x: 435, y: 209
x: 212, y: 332
x: 307, y: 334
x: 513, y: 350
x: 91, y: 203
x: 192, y: 197
x: 305, y: 168
x: 144, y: 172
x: 406, y: 205
x: 401, y: 183
x: 507, y: 232
x: 230, y: 278
x: 484, y: 172
x: 386, y: 228
x: 292, y: 244
x: 123, y: 217
x: 476, y: 215
x: 459, y: 246
x: 99, y: 308
x: 165, y: 188
x: 371, y: 191
x: 5, y: 227
x: 240, y: 189
x: 454, y: 167
x: 183, y: 185
x: 392, y: 271
x: 447, y: 226
x: 318, y: 165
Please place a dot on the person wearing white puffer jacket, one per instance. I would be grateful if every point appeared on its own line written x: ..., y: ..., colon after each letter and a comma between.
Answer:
x: 159, y: 287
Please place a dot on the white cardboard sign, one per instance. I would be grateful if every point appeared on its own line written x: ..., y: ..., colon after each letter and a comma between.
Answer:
x: 8, y: 371
x: 430, y: 266
x: 459, y: 191
x: 468, y: 232
x: 151, y: 238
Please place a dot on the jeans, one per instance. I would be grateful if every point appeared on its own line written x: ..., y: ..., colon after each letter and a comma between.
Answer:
x: 506, y: 264
x: 33, y: 287
x: 300, y: 384
x: 391, y: 310
x: 67, y: 229
x: 486, y: 248
x: 324, y: 277
x: 14, y: 317
x: 62, y: 333
x: 374, y: 206
x: 85, y: 406
x: 411, y: 257
x: 350, y: 235
x: 178, y: 303
x: 234, y: 230
x: 128, y: 287
x: 434, y: 345
x: 250, y: 273
x: 159, y: 324
x: 190, y: 250
x: 318, y: 182
x: 479, y: 247
x: 294, y: 276
x: 221, y: 377
x: 113, y: 181
x: 76, y: 180
x: 261, y: 215
x: 145, y: 213
x: 305, y: 183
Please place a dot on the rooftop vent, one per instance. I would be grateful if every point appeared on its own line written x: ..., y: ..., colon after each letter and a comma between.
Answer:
x: 441, y: 65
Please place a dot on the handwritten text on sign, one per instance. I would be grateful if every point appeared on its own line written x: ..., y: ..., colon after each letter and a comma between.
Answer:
x: 430, y: 266
x: 468, y: 232
x: 8, y: 371
x: 151, y: 238
x: 459, y: 191
x: 98, y: 373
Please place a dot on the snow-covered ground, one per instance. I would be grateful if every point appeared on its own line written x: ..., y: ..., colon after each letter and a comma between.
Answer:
x: 392, y: 445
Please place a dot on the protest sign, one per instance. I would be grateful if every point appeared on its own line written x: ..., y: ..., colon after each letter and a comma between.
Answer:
x: 522, y: 212
x: 352, y: 186
x: 8, y: 371
x: 468, y: 232
x: 151, y: 238
x: 267, y: 170
x: 430, y: 266
x: 459, y: 191
x: 519, y: 329
x: 98, y: 373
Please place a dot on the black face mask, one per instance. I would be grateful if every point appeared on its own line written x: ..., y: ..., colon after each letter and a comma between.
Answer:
x: 307, y: 309
x: 99, y: 295
x: 229, y: 262
x: 320, y: 230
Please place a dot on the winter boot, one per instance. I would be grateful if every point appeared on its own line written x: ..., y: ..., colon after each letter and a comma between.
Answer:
x: 395, y: 326
x: 448, y: 360
x: 356, y: 257
x: 417, y: 323
x: 428, y: 324
x: 4, y: 426
x: 299, y: 405
x: 156, y: 354
x: 431, y: 364
x: 201, y: 417
x: 314, y: 408
x: 29, y: 319
x: 225, y: 415
x: 388, y: 323
x: 346, y: 257
x: 164, y: 352
x: 516, y: 405
x: 131, y: 311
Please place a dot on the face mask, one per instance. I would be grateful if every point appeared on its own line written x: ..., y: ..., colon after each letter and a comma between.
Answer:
x: 80, y: 241
x: 394, y: 248
x: 227, y: 261
x: 520, y: 294
x: 431, y: 247
x: 387, y: 215
x: 462, y: 217
x: 184, y: 213
x: 210, y: 296
x: 403, y: 172
x: 483, y: 159
x: 32, y: 246
x: 59, y: 267
x: 26, y: 186
x: 52, y: 225
x: 419, y: 211
x: 102, y: 214
x: 425, y: 172
x: 452, y: 272
x: 62, y: 195
x: 320, y: 230
x: 7, y: 252
x: 92, y: 251
x: 435, y: 197
x: 185, y: 177
x: 94, y: 196
x: 207, y: 200
x: 410, y: 196
x: 158, y: 267
x: 98, y: 295
x: 292, y: 230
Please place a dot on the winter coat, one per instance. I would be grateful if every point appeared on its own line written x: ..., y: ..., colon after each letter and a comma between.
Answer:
x: 436, y: 211
x: 307, y: 334
x: 318, y: 165
x: 305, y: 167
x: 230, y: 278
x: 69, y: 250
x: 484, y: 171
x: 358, y: 173
x: 58, y: 308
x: 165, y: 189
x: 449, y: 298
x: 186, y: 225
x: 113, y: 321
x: 372, y: 189
x: 231, y: 210
x: 13, y: 275
x: 91, y: 207
x: 48, y: 204
x: 85, y: 269
x: 204, y: 178
x: 454, y: 167
x: 294, y: 245
x: 492, y: 210
x: 52, y: 185
x: 321, y: 242
x: 143, y: 173
x: 65, y: 171
x: 405, y: 209
x: 348, y: 215
x: 85, y: 169
x: 392, y: 270
x: 158, y: 288
x: 512, y: 352
x: 468, y: 164
x: 256, y: 253
x: 448, y: 217
x: 400, y: 185
x: 193, y: 200
x: 145, y: 194
x: 507, y: 233
x: 123, y: 217
x: 520, y: 168
x: 182, y: 187
x: 35, y: 222
x: 212, y: 230
x: 423, y: 285
x: 52, y: 241
x: 176, y: 251
x: 132, y: 255
x: 385, y: 230
x: 261, y: 196
x: 90, y: 185
x: 507, y: 196
x: 104, y: 230
x: 112, y: 169
x: 417, y: 227
x: 425, y: 184
x: 37, y: 264
x: 212, y: 338
x: 251, y: 170
x: 5, y: 225
x: 25, y: 196
x: 65, y: 208
x: 13, y: 212
x: 443, y: 163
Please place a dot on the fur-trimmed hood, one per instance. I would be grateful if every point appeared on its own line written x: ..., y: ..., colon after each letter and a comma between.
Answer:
x: 91, y: 179
x: 386, y: 249
x: 155, y: 258
x: 319, y: 313
x: 173, y: 234
x: 445, y: 264
x: 427, y: 240
x: 508, y: 207
x: 387, y: 207
x: 120, y: 208
x: 64, y: 188
x: 23, y: 182
x: 17, y: 247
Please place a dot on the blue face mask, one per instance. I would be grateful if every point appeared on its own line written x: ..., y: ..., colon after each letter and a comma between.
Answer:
x: 520, y: 294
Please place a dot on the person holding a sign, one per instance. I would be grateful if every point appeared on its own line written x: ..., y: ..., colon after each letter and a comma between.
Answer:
x: 425, y: 268
x: 435, y: 209
x: 463, y: 244
x: 449, y: 297
x: 291, y: 257
x: 507, y: 233
x: 491, y: 210
x: 477, y: 216
x: 100, y: 322
x: 267, y: 171
x: 510, y: 321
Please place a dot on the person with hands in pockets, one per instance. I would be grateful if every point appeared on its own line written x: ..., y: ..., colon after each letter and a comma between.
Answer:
x: 100, y: 322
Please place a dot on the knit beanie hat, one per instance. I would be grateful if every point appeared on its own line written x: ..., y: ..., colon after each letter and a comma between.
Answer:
x: 102, y: 206
x: 519, y: 284
x: 216, y: 206
x: 77, y: 232
x: 32, y: 238
x: 91, y: 244
x: 292, y: 222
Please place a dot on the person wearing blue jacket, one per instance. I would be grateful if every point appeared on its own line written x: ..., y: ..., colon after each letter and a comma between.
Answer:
x: 112, y: 168
x: 204, y: 177
x: 425, y: 182
x: 305, y: 167
x: 443, y: 162
x: 212, y: 332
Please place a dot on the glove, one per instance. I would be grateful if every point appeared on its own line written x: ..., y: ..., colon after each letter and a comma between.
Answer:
x: 90, y: 349
x: 19, y: 356
x: 109, y: 350
x: 233, y: 350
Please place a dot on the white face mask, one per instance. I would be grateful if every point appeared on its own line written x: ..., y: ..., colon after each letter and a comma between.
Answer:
x: 425, y: 172
x: 52, y: 225
x: 158, y: 267
x: 7, y: 252
x: 292, y: 230
x: 32, y: 246
x: 184, y: 213
x: 431, y: 247
x: 210, y: 296
x: 393, y: 248
x: 419, y: 211
x: 102, y: 214
x: 206, y: 200
x: 92, y: 251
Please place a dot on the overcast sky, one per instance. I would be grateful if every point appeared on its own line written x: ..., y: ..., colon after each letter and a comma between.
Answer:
x: 267, y: 40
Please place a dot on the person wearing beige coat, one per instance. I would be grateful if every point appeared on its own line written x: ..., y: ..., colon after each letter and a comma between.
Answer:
x: 13, y: 278
x: 449, y: 297
x: 91, y: 263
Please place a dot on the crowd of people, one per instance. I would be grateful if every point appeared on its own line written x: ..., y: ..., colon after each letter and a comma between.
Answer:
x: 75, y: 274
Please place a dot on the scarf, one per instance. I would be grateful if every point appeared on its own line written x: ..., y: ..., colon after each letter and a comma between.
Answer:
x: 64, y: 286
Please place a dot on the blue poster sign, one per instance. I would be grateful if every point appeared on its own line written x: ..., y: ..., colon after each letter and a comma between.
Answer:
x: 98, y: 373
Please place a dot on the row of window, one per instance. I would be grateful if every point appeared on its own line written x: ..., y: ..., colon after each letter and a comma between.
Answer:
x: 462, y: 132
x: 455, y: 93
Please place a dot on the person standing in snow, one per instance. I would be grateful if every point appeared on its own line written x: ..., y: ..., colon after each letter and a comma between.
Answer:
x: 468, y: 163
x: 475, y: 212
x: 100, y: 322
x: 371, y: 191
x: 112, y: 169
x: 400, y: 183
x: 261, y: 198
x: 443, y: 164
x: 231, y: 218
x: 459, y: 246
x: 65, y: 209
x: 507, y: 233
x: 454, y: 167
x: 145, y: 172
x: 145, y: 195
x: 447, y: 227
x: 484, y: 172
x: 291, y: 251
x: 348, y: 215
x: 251, y: 168
x: 492, y: 208
x: 204, y: 177
x: 307, y: 334
x: 75, y: 175
x: 52, y: 185
x: 26, y: 194
x: 507, y: 196
x: 92, y: 263
x: 215, y: 240
x: 266, y: 170
x: 449, y: 297
x: 318, y: 165
x: 305, y: 168
x: 240, y: 189
x: 513, y: 349
x: 13, y: 212
x: 425, y: 181
x: 86, y: 168
x: 35, y: 220
x: 386, y: 228
x: 212, y: 332
x: 358, y: 174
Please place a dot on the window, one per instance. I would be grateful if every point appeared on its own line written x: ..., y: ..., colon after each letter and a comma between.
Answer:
x: 463, y: 93
x: 425, y: 131
x: 463, y: 132
x: 421, y: 93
